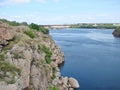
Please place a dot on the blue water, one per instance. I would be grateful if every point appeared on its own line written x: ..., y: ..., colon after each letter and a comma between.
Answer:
x: 92, y: 56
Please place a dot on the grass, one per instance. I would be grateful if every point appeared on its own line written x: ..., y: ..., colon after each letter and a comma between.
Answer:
x: 39, y: 28
x: 11, y: 43
x: 2, y: 57
x: 47, y: 52
x: 30, y: 33
x: 54, y: 88
x: 8, y: 67
x: 16, y: 56
x: 53, y: 73
x: 48, y: 59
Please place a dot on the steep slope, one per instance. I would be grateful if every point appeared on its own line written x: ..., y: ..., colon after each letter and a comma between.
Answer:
x: 29, y: 60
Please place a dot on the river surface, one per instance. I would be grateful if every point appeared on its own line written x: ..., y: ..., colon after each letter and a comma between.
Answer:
x: 92, y: 56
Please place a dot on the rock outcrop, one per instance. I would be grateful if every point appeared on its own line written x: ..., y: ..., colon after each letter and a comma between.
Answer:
x: 6, y: 34
x: 30, y: 63
x: 74, y: 83
x: 116, y: 32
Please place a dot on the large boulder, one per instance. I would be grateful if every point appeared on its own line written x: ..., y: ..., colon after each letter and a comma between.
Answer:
x: 116, y: 32
x: 74, y: 83
x: 6, y: 34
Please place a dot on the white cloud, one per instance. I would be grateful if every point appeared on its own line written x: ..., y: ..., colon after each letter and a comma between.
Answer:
x: 9, y: 2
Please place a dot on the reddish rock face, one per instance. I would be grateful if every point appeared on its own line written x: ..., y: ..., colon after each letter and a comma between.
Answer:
x: 6, y: 34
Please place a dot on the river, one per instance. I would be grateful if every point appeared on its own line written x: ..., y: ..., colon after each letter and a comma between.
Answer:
x: 92, y: 56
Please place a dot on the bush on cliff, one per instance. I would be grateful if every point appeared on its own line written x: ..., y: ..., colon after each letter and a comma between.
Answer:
x: 38, y: 28
x: 47, y: 52
x: 54, y: 88
x: 30, y: 33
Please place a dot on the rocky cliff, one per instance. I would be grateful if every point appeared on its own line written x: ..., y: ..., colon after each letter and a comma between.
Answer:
x: 116, y: 32
x: 29, y: 60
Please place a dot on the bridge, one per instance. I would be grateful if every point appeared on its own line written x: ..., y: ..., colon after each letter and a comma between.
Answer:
x: 56, y: 26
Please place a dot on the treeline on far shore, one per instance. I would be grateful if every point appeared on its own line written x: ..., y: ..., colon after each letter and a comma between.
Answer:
x: 98, y: 25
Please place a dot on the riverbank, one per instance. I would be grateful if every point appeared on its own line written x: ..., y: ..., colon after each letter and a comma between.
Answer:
x: 29, y: 60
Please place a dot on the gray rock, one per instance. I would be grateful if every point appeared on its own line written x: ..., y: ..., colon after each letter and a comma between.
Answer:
x: 74, y: 83
x: 65, y: 81
x: 6, y: 34
x: 9, y: 87
x: 3, y: 83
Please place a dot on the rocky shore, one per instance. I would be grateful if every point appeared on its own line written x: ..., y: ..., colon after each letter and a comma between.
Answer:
x: 116, y: 32
x: 29, y: 60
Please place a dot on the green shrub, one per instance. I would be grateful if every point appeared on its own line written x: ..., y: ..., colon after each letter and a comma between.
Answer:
x: 12, y: 23
x: 2, y: 57
x: 48, y: 59
x: 30, y: 33
x: 47, y: 52
x: 34, y: 26
x: 43, y: 30
x: 54, y: 88
x: 16, y: 56
x: 6, y: 66
x: 53, y: 73
x: 39, y: 28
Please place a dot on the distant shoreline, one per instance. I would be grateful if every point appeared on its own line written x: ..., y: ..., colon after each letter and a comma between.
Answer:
x: 84, y: 25
x: 80, y: 28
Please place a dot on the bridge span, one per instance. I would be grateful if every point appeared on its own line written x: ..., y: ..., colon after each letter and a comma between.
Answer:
x: 56, y: 26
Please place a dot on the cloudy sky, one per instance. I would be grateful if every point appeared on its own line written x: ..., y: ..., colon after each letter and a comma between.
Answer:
x: 61, y: 11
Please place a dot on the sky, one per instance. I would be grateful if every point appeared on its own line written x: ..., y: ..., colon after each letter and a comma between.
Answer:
x: 47, y: 12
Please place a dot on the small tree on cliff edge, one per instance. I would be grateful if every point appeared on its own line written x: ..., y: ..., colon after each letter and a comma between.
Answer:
x: 39, y: 28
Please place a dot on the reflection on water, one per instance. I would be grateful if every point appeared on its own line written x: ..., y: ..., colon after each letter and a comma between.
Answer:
x: 91, y: 56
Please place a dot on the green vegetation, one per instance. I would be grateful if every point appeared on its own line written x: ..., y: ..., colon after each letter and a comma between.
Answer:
x: 8, y: 67
x: 118, y: 29
x: 16, y: 56
x: 48, y: 59
x: 11, y: 43
x: 38, y: 28
x: 30, y: 33
x: 101, y: 25
x: 116, y: 32
x: 54, y: 88
x: 44, y: 30
x: 47, y: 52
x: 34, y: 26
x: 2, y: 57
x: 53, y: 73
x: 13, y: 23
